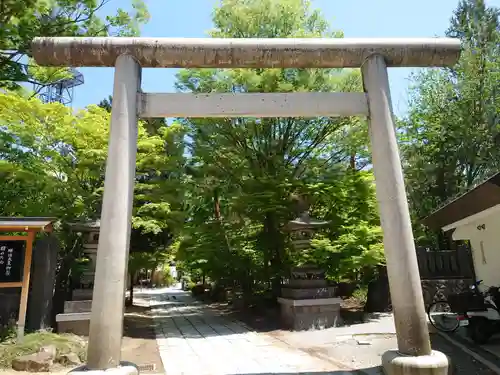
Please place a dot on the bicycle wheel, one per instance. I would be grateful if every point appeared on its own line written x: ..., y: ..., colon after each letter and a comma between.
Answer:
x: 442, y: 318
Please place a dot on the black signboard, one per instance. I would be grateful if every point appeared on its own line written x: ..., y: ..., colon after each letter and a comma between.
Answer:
x: 11, y: 261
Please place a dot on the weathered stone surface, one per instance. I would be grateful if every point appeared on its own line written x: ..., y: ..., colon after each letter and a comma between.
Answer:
x: 77, y: 306
x: 298, y: 283
x: 395, y: 363
x: 77, y: 327
x: 301, y: 318
x: 68, y: 359
x: 36, y: 362
x: 308, y: 293
x: 49, y: 349
x: 82, y: 294
x: 244, y: 53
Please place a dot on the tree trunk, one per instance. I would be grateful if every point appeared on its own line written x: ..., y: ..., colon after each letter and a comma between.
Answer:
x: 352, y: 162
x: 131, y: 299
x: 274, y: 244
x: 216, y: 204
x: 151, y: 280
x: 61, y: 288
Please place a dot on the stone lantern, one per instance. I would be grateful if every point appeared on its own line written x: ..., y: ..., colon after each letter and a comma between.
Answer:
x: 90, y: 234
x: 76, y: 315
x: 307, y: 301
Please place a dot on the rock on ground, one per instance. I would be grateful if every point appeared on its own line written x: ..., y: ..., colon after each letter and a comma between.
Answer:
x: 69, y: 359
x: 36, y: 362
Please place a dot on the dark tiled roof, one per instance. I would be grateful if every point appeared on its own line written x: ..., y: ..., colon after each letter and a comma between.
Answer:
x: 479, y: 198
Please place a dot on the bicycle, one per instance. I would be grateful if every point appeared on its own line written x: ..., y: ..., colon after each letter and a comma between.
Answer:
x: 442, y: 317
x: 448, y: 315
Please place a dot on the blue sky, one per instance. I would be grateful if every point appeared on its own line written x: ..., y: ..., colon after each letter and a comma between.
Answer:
x: 357, y: 18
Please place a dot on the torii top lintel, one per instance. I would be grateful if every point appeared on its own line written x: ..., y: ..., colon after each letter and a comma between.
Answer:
x: 245, y: 53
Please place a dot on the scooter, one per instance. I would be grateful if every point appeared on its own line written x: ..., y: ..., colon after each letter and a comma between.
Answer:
x: 482, y: 321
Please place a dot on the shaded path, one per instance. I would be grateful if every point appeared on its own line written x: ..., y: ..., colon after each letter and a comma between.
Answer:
x: 194, y: 339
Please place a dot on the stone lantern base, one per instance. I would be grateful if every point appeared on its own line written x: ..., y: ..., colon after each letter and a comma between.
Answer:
x: 308, y: 302
x: 310, y: 314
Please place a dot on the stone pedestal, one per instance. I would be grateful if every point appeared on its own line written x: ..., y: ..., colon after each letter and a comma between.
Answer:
x: 395, y: 363
x: 76, y: 316
x: 308, y: 302
x: 309, y: 314
x: 90, y: 251
x: 75, y: 319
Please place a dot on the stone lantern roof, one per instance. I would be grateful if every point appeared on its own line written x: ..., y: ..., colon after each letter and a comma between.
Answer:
x: 304, y: 222
x: 86, y: 226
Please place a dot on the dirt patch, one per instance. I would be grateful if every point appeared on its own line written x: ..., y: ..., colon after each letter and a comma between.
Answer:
x: 139, y: 340
x: 268, y: 319
x: 138, y: 344
x: 257, y: 318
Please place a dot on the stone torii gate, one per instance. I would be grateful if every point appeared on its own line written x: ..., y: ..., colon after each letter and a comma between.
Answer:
x: 373, y: 56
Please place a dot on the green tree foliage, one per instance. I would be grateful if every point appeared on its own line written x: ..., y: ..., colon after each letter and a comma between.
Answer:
x: 21, y: 21
x: 159, y: 174
x: 217, y: 193
x: 451, y: 135
x: 245, y: 172
x: 52, y: 163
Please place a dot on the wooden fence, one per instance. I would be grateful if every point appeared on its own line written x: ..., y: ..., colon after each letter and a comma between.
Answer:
x: 445, y: 264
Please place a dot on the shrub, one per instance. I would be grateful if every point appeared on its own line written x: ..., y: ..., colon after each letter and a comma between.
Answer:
x: 33, y: 342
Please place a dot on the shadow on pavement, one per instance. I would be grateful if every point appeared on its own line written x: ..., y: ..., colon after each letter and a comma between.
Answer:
x: 138, y: 323
x: 188, y: 318
x: 139, y: 339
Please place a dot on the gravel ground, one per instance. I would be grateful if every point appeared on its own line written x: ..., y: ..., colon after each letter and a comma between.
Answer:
x: 360, y: 346
x: 365, y: 351
x: 462, y: 362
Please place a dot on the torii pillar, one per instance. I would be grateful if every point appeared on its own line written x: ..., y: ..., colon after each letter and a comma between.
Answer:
x: 373, y: 56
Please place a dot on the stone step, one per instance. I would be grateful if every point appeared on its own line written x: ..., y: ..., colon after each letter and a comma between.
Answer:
x: 299, y: 284
x: 76, y: 323
x: 82, y: 294
x: 73, y: 317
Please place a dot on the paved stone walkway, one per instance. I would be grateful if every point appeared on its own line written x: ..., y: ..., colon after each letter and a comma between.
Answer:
x: 196, y: 340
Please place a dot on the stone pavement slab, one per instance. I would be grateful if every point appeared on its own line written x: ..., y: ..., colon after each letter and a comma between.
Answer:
x: 382, y: 323
x: 360, y: 346
x: 492, y: 346
x: 194, y: 339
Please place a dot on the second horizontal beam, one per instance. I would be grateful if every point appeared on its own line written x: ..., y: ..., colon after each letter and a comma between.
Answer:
x: 307, y: 104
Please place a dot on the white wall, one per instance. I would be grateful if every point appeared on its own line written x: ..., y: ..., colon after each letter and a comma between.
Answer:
x: 485, y: 230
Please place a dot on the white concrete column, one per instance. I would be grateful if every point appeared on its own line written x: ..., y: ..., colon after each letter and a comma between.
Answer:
x: 106, y: 320
x: 402, y: 266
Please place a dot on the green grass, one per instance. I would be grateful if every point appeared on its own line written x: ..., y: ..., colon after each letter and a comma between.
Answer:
x: 64, y: 343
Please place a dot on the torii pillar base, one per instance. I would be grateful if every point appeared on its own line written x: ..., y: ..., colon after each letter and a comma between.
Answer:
x: 395, y: 363
x: 125, y: 368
